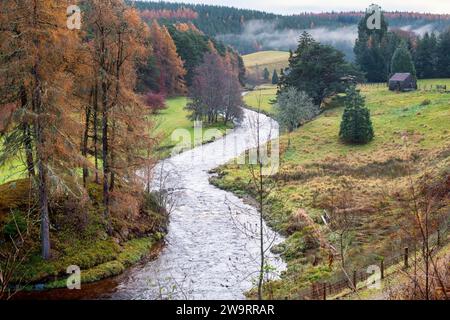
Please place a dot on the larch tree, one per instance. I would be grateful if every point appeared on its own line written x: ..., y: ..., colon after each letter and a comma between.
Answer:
x: 37, y: 52
x: 169, y: 63
x: 118, y: 45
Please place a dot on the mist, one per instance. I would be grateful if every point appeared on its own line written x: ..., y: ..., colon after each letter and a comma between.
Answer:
x: 261, y: 35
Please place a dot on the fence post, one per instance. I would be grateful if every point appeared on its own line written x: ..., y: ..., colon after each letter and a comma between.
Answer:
x: 406, y: 258
x: 324, y: 291
x: 382, y: 269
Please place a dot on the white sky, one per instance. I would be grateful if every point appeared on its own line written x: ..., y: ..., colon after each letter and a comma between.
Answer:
x: 296, y: 6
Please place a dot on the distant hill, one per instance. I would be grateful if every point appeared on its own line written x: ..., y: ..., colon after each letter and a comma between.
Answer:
x: 272, y: 60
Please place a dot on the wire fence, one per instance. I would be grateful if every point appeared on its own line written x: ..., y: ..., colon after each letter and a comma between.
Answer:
x: 361, y: 278
x: 436, y: 88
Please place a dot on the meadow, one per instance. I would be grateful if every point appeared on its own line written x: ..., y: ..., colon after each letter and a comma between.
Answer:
x: 272, y: 60
x: 175, y: 117
x: 412, y: 137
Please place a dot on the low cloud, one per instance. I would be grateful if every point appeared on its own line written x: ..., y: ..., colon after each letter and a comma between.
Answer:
x: 271, y: 37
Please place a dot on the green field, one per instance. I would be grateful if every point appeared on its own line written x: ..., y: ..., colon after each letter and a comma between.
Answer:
x: 316, y: 168
x: 261, y: 99
x: 272, y: 60
x: 175, y: 117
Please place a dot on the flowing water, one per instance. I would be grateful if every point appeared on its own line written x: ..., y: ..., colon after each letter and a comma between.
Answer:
x: 213, y: 246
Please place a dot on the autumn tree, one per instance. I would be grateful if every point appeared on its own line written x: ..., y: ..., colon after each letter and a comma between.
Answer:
x: 169, y: 65
x: 215, y: 91
x: 38, y: 50
x: 118, y: 43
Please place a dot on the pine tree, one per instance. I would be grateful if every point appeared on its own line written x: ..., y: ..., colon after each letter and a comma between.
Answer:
x: 356, y: 125
x: 266, y: 74
x: 425, y: 56
x: 370, y: 50
x: 275, y: 77
x: 443, y: 55
x: 402, y: 61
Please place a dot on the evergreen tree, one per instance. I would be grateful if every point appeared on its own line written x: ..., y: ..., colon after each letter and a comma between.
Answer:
x: 266, y: 74
x: 443, y: 55
x: 370, y: 50
x: 356, y: 125
x: 402, y: 61
x: 275, y: 77
x: 318, y: 70
x: 425, y: 56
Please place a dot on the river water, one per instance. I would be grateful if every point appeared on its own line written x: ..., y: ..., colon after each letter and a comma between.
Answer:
x: 212, y: 247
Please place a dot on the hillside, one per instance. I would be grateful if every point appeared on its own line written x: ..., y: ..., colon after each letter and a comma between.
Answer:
x: 317, y: 170
x: 255, y: 63
x: 250, y: 31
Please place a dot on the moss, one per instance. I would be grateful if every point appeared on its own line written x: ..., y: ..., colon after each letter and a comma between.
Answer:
x: 97, y: 261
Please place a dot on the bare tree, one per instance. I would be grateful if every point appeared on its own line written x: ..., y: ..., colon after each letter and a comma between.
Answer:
x: 262, y: 186
x: 424, y: 205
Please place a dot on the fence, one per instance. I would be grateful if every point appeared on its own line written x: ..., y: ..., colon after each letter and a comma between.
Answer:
x: 437, y: 88
x: 358, y: 279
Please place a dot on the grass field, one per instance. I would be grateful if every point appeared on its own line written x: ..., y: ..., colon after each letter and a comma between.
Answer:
x: 272, y: 60
x: 175, y: 117
x: 261, y: 99
x: 317, y: 167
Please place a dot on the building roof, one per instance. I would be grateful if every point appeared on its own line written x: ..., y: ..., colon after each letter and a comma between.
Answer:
x: 400, y: 77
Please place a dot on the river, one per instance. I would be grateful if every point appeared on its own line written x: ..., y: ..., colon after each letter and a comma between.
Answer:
x: 212, y: 247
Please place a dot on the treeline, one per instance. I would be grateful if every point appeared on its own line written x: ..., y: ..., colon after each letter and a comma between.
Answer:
x: 75, y: 115
x: 431, y: 56
x: 375, y: 50
x: 220, y: 20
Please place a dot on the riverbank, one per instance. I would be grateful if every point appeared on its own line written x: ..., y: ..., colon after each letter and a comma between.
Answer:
x: 83, y: 243
x: 319, y: 174
x: 175, y: 118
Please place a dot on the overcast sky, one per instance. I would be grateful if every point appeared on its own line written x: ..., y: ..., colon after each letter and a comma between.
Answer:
x: 296, y: 6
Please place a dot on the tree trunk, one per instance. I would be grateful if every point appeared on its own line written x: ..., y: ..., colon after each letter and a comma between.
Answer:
x: 105, y: 155
x: 42, y: 177
x: 84, y: 147
x: 40, y: 150
x: 96, y: 131
x: 28, y: 145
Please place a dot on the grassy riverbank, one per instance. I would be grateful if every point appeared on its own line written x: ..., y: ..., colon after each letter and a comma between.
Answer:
x: 82, y: 242
x: 175, y: 119
x: 317, y: 169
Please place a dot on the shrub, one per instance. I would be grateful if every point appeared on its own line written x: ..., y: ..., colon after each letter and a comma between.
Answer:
x: 15, y: 223
x: 356, y: 125
x: 426, y: 102
x: 155, y: 101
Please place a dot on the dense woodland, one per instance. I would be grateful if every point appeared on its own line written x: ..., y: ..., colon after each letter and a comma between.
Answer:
x: 217, y: 20
x: 374, y: 50
x: 249, y: 31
